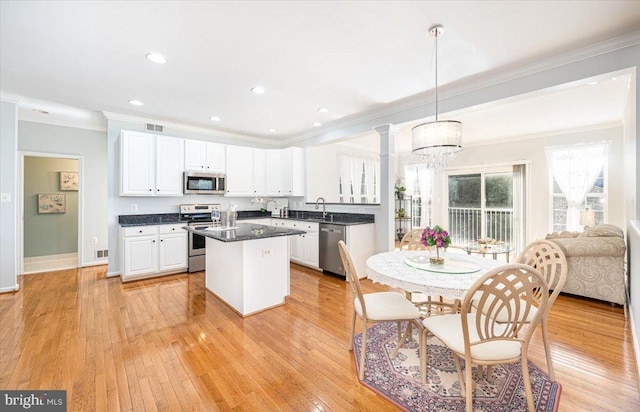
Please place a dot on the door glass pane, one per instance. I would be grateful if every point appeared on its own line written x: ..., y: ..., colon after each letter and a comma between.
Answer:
x: 499, y: 190
x: 465, y: 214
x: 499, y: 206
x: 464, y: 191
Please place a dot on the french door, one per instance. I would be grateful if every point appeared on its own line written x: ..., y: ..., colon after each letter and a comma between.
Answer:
x: 486, y: 204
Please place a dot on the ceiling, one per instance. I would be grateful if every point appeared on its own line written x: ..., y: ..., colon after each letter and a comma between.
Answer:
x: 352, y: 57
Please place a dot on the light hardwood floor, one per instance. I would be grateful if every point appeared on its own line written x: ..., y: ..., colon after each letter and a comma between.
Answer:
x: 166, y: 344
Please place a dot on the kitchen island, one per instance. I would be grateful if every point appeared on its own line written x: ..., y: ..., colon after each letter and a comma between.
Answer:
x: 248, y: 267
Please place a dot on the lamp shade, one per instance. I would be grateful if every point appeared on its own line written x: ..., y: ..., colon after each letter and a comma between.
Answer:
x: 437, y: 138
x: 587, y: 218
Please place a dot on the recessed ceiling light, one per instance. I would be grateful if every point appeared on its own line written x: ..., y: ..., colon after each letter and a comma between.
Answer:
x: 317, y: 124
x: 136, y: 102
x: 156, y: 58
x: 215, y: 118
x: 258, y: 90
x: 323, y: 109
x: 272, y: 130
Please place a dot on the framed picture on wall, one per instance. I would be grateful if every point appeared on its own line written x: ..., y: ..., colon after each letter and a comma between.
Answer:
x: 69, y: 181
x: 52, y: 203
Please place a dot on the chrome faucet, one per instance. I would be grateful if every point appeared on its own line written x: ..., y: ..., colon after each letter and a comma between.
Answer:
x: 324, y: 207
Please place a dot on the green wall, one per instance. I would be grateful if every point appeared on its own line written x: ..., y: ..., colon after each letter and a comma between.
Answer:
x: 55, y: 233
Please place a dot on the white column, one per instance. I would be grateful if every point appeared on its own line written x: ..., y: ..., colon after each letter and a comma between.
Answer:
x: 385, y: 228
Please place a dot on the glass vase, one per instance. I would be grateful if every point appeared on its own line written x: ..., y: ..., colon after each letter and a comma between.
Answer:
x: 437, y: 256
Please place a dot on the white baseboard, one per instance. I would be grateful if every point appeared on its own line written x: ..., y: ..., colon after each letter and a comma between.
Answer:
x: 112, y: 274
x: 634, y: 338
x: 39, y: 264
x: 94, y: 263
x: 10, y: 288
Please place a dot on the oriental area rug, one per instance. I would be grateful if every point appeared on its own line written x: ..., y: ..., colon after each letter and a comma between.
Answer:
x: 398, y: 380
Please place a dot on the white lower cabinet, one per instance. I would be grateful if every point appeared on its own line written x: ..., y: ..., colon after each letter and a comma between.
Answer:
x: 304, y: 248
x: 149, y: 251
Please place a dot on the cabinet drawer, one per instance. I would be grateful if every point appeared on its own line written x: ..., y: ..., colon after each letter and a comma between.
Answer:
x: 140, y: 230
x: 310, y: 227
x: 294, y: 224
x: 177, y: 228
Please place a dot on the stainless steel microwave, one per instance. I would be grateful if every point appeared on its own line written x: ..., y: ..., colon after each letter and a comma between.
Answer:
x: 204, y: 183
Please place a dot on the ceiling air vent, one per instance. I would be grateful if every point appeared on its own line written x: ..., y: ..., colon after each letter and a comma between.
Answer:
x: 154, y: 127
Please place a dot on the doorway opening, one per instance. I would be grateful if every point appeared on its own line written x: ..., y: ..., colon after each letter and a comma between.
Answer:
x: 50, y: 212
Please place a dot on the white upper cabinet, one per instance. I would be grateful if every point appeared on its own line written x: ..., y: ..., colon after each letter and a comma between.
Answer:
x: 204, y: 156
x: 138, y: 164
x: 285, y: 172
x: 169, y: 166
x: 151, y: 165
x: 293, y: 171
x: 239, y: 171
x: 259, y: 172
x: 274, y: 172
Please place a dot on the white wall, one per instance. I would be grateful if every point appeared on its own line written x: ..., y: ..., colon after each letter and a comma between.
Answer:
x: 91, y: 146
x: 8, y: 186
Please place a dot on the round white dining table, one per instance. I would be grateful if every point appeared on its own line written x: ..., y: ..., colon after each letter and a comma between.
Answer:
x: 411, y: 271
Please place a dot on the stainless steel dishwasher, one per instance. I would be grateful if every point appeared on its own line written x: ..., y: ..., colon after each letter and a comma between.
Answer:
x: 330, y: 260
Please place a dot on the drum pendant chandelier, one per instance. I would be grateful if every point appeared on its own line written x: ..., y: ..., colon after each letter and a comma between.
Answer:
x: 437, y: 142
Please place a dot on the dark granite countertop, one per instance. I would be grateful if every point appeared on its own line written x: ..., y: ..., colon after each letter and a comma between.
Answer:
x: 345, y: 219
x: 145, y: 220
x: 245, y: 231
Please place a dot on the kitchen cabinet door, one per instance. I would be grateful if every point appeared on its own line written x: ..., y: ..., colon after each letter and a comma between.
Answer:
x: 239, y: 171
x: 274, y: 172
x: 293, y: 171
x: 195, y: 155
x: 173, y: 251
x: 259, y: 172
x: 296, y: 246
x: 140, y: 255
x: 138, y: 164
x: 169, y: 166
x: 311, y: 249
x: 215, y: 158
x: 208, y: 157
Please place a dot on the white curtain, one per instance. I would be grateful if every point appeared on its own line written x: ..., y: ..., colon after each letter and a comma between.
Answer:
x: 370, y: 176
x: 576, y: 170
x: 350, y: 169
x: 418, y: 180
x: 344, y: 171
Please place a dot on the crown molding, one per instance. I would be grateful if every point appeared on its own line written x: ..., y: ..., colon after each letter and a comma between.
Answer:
x: 10, y: 98
x: 425, y: 100
x: 93, y: 124
x: 190, y: 129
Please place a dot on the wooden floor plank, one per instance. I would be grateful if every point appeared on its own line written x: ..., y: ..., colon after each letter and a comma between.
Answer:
x: 168, y: 344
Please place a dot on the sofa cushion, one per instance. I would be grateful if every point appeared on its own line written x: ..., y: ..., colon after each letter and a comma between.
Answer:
x: 565, y: 234
x: 603, y: 230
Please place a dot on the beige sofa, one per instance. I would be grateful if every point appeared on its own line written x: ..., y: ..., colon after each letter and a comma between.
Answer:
x: 595, y: 259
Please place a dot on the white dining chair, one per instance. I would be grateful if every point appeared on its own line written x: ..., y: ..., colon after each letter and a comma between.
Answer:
x: 514, y: 292
x: 376, y: 307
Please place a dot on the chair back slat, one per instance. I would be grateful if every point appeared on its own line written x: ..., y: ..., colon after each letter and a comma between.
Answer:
x: 550, y: 260
x: 512, y: 291
x: 413, y: 240
x: 352, y: 275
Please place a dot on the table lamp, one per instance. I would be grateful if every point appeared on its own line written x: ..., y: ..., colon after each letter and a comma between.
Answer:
x: 587, y: 217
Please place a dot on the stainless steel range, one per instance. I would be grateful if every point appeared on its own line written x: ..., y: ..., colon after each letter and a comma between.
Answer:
x: 200, y: 216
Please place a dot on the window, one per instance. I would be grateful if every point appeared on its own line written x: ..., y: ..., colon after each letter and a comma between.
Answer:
x: 594, y: 200
x: 577, y: 182
x: 358, y: 179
